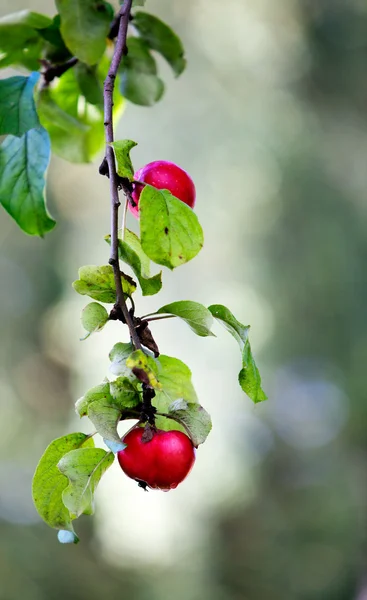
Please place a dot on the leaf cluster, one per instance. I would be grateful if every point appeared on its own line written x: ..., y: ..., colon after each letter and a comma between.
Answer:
x: 60, y: 109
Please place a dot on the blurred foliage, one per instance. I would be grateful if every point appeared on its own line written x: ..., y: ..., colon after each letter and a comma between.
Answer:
x: 303, y: 534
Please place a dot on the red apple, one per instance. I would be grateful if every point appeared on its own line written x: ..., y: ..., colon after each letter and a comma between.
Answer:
x: 162, y: 463
x: 164, y: 175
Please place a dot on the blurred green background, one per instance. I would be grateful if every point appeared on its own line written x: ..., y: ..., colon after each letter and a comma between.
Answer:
x: 270, y: 119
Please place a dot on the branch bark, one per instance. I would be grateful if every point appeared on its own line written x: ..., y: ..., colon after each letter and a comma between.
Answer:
x: 109, y: 85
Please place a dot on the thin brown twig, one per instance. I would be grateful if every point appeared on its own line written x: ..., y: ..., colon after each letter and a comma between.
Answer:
x: 109, y: 85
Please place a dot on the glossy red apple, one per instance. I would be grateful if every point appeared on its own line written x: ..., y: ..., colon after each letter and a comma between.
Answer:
x: 162, y: 463
x: 164, y: 175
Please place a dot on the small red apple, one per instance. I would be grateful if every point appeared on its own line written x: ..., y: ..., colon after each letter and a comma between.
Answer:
x: 162, y: 463
x: 164, y: 175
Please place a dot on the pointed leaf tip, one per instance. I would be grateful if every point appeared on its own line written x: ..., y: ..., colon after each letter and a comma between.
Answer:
x: 122, y: 150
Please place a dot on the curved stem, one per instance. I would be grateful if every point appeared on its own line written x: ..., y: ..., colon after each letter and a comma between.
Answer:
x: 108, y: 89
x: 146, y: 317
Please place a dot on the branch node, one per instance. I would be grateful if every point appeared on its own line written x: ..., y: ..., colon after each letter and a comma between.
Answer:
x: 103, y: 168
x: 116, y: 314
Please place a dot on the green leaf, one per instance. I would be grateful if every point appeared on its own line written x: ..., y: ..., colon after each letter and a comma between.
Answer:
x: 99, y: 283
x: 99, y: 392
x: 124, y: 393
x: 23, y: 164
x: 139, y: 57
x: 105, y: 419
x: 120, y: 393
x: 125, y: 167
x: 175, y: 378
x: 55, y: 49
x: 17, y: 108
x: 249, y: 376
x: 138, y: 3
x: 84, y: 468
x: 98, y: 405
x: 145, y: 368
x: 94, y: 318
x: 84, y: 27
x: 27, y: 56
x: 48, y: 483
x: 139, y: 81
x: 50, y: 111
x: 105, y: 405
x: 161, y: 38
x: 131, y: 252
x: 142, y: 89
x: 194, y: 418
x: 20, y: 42
x: 52, y: 34
x: 75, y: 126
x: 197, y: 316
x: 171, y: 234
x: 118, y: 355
x: 230, y: 323
x: 132, y: 240
x: 89, y: 83
x: 26, y: 18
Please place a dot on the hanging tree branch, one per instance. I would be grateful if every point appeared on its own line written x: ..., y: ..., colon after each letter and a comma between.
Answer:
x: 109, y: 85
